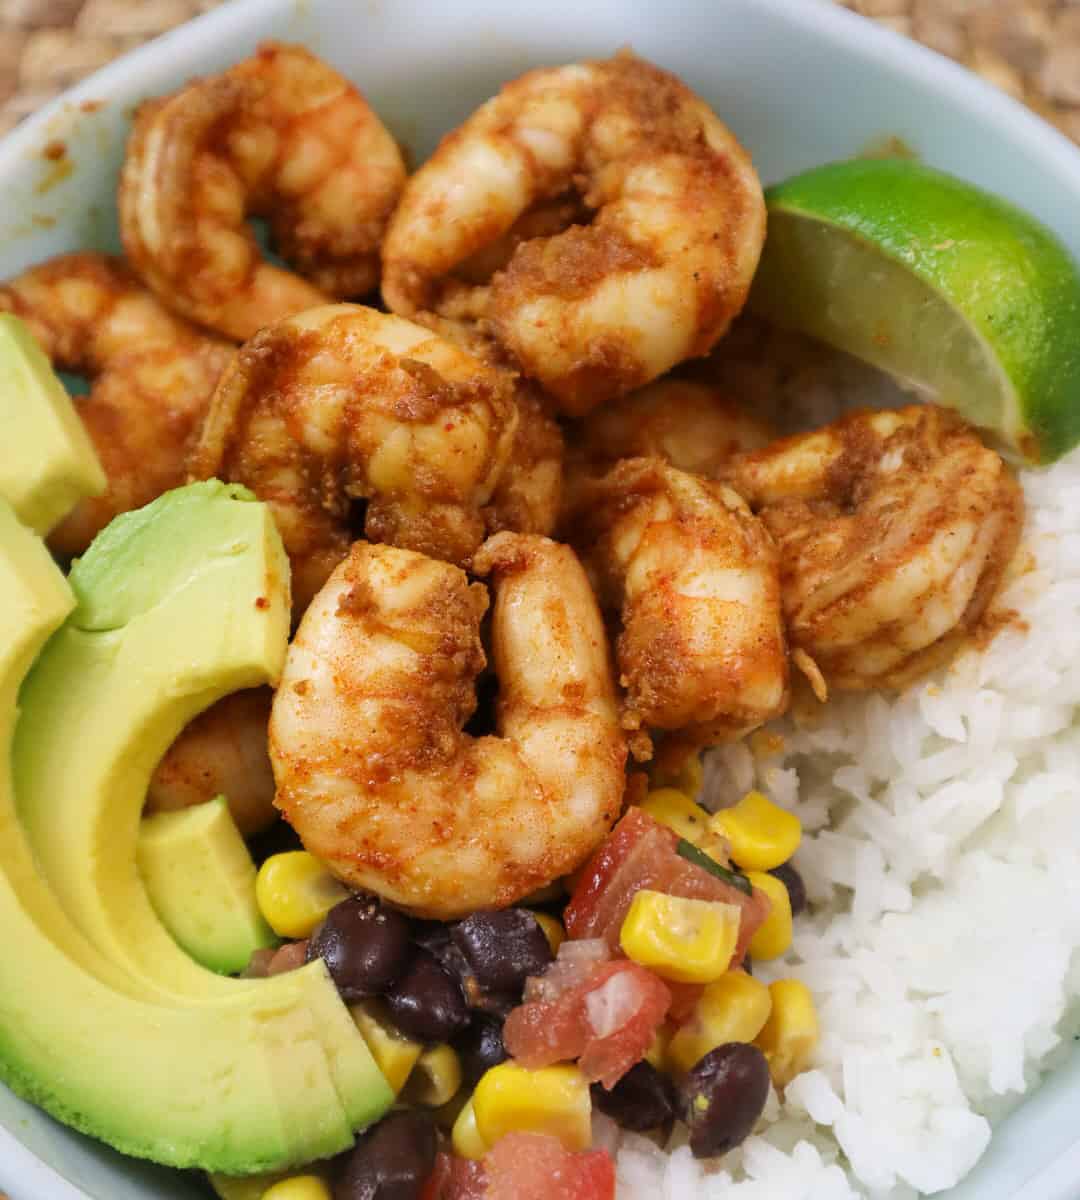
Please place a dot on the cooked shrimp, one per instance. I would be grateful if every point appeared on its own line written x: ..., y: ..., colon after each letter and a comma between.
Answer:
x: 592, y: 311
x: 529, y: 492
x: 692, y: 425
x: 280, y: 135
x: 152, y: 376
x: 342, y: 403
x: 694, y: 577
x: 894, y: 530
x: 225, y: 750
x: 372, y: 765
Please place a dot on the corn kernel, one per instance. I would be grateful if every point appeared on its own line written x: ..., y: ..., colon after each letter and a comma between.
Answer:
x: 299, y: 1187
x: 295, y: 891
x: 552, y: 1100
x: 465, y: 1136
x: 773, y: 937
x: 553, y: 930
x: 733, y: 1009
x: 677, y: 811
x: 791, y: 1032
x: 394, y: 1053
x: 656, y: 1055
x: 689, y: 941
x: 435, y: 1079
x: 762, y: 835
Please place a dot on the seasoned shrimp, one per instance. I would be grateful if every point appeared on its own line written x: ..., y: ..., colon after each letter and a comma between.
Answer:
x: 372, y: 765
x: 152, y: 376
x: 280, y: 135
x: 529, y: 492
x: 695, y: 579
x: 225, y: 750
x: 342, y: 403
x: 894, y: 530
x: 692, y: 425
x: 593, y: 310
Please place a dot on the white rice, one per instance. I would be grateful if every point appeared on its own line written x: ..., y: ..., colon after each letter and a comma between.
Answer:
x: 943, y: 948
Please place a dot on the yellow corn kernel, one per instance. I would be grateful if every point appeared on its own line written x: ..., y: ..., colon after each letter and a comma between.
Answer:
x: 791, y: 1032
x: 552, y: 1100
x: 733, y: 1009
x: 435, y: 1079
x: 394, y: 1053
x: 295, y: 891
x: 774, y: 936
x: 553, y: 930
x: 465, y: 1136
x: 656, y: 1055
x: 299, y: 1187
x: 677, y: 811
x: 762, y: 835
x: 688, y: 777
x: 689, y: 941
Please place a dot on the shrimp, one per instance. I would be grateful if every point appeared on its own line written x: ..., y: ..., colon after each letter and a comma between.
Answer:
x: 692, y: 425
x: 224, y: 750
x: 280, y: 135
x: 373, y: 767
x: 152, y: 376
x: 529, y: 492
x: 695, y: 579
x: 593, y: 310
x: 894, y: 529
x: 342, y: 403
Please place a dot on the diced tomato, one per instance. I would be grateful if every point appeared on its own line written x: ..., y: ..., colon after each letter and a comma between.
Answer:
x: 533, y: 1166
x: 605, y: 1022
x: 684, y: 998
x: 641, y: 853
x: 455, y: 1179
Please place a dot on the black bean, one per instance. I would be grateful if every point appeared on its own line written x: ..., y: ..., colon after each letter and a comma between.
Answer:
x: 643, y: 1099
x: 426, y: 1003
x: 480, y: 1047
x: 793, y: 881
x: 276, y: 840
x: 391, y: 1161
x: 435, y: 937
x: 503, y: 948
x: 364, y: 945
x: 722, y: 1096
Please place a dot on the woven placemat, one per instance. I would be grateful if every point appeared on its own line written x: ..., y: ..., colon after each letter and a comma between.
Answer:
x: 1030, y: 48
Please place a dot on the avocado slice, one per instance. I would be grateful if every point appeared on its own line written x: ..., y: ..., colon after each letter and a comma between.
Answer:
x: 179, y: 602
x: 56, y: 465
x: 200, y: 879
x: 208, y: 1077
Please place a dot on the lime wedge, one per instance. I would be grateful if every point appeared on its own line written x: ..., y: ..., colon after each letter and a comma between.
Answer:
x: 938, y: 283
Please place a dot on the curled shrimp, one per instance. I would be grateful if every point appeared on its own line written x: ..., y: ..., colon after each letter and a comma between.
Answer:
x: 373, y: 768
x: 693, y: 425
x: 596, y: 309
x: 151, y: 376
x: 225, y: 750
x: 694, y: 578
x: 342, y: 403
x: 279, y: 135
x: 894, y: 529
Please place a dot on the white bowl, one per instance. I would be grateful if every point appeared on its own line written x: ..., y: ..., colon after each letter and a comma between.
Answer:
x: 800, y: 81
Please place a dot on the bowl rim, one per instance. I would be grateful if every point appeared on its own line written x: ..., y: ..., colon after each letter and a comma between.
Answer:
x: 822, y: 20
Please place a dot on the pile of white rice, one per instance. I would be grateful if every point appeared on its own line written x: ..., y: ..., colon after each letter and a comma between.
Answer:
x: 942, y: 863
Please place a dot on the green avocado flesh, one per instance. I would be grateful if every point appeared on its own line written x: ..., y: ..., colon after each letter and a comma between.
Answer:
x: 200, y: 879
x: 131, y: 666
x: 55, y: 466
x: 256, y: 1076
